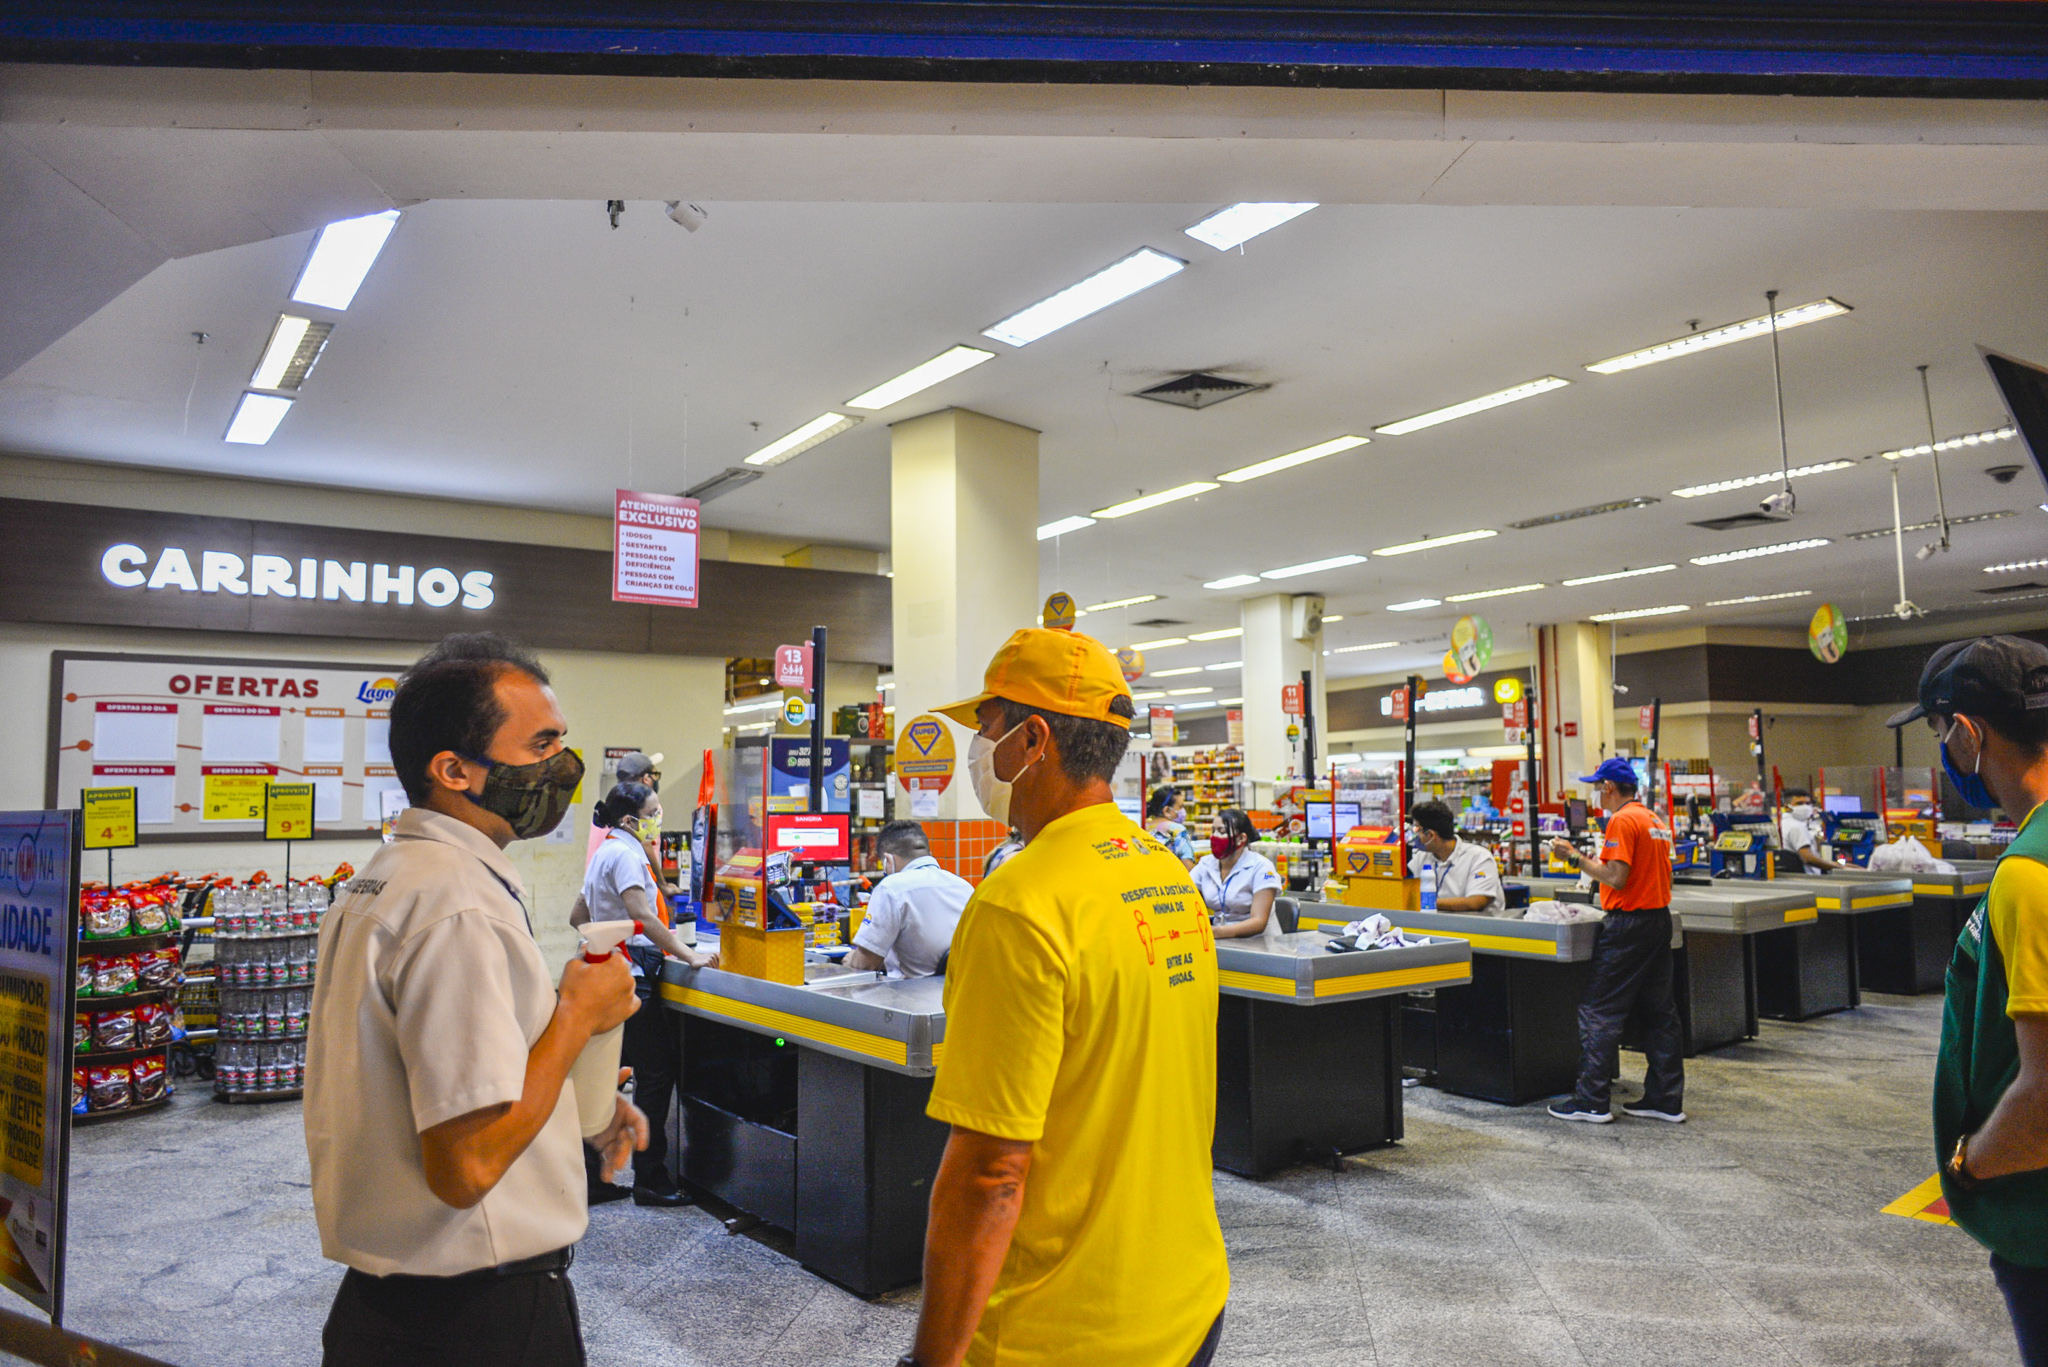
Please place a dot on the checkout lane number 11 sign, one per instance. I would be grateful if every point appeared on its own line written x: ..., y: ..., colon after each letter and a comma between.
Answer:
x: 654, y: 549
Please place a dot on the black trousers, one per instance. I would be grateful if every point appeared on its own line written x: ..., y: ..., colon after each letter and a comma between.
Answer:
x: 526, y: 1319
x: 1206, y: 1354
x: 1632, y: 973
x: 651, y: 1049
x: 2026, y: 1297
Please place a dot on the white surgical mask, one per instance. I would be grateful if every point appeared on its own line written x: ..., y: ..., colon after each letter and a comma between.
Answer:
x: 991, y: 792
x: 1803, y: 810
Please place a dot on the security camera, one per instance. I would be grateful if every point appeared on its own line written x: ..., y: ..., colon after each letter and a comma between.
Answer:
x: 2004, y: 474
x: 1779, y: 504
x: 1927, y: 551
x: 689, y: 216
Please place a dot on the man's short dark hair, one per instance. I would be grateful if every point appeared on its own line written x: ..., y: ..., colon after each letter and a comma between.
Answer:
x: 1791, y: 793
x: 1626, y: 787
x: 904, y: 839
x: 448, y: 700
x: 1436, y: 818
x: 1088, y: 749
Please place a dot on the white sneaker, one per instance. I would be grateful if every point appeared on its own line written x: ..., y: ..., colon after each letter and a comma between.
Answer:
x: 1568, y: 1110
x: 1652, y: 1113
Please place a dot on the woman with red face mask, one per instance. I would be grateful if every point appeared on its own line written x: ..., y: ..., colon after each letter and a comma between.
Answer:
x: 1237, y: 882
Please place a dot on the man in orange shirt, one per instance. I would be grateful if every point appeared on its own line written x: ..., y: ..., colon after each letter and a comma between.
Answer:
x: 1632, y: 968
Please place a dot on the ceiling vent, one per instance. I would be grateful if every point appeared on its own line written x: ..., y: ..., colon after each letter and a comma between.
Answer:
x: 1198, y: 390
x: 1739, y: 521
x: 725, y: 482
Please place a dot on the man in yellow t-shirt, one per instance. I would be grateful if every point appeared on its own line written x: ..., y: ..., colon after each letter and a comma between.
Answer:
x: 1073, y: 1217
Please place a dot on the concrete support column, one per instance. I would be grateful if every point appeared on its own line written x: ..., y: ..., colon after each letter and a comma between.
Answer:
x: 1585, y: 686
x: 963, y: 535
x: 1273, y: 658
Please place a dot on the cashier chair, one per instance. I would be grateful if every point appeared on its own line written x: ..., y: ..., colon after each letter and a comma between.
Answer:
x: 1289, y: 911
x: 1958, y: 849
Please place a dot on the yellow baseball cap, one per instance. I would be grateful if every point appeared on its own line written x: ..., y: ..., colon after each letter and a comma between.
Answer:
x: 1060, y: 671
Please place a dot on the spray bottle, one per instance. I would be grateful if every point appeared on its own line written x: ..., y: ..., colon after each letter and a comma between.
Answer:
x: 595, y: 1074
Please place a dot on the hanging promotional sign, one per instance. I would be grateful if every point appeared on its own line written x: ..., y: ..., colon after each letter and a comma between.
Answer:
x: 1131, y: 663
x: 1058, y: 614
x: 924, y: 758
x: 38, y: 986
x: 1827, y: 635
x: 1163, y: 731
x: 654, y: 549
x: 1508, y: 689
x: 1471, y: 649
x: 1233, y: 726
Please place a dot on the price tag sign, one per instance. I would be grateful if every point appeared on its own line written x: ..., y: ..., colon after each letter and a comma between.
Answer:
x: 109, y: 818
x: 288, y: 811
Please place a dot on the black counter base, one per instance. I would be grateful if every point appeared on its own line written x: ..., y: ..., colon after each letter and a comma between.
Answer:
x: 1510, y: 1035
x: 1297, y: 1084
x: 1905, y: 950
x: 1809, y: 970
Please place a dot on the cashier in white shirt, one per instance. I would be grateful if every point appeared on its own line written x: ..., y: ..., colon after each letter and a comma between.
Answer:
x: 1467, y: 875
x: 446, y: 1154
x: 1237, y: 882
x: 908, y: 925
x: 1800, y: 830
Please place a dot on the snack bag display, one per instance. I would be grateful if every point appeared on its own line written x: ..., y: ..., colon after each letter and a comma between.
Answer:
x: 82, y: 983
x: 113, y: 1030
x: 149, y: 1081
x: 152, y: 1025
x: 106, y: 917
x: 108, y: 1089
x: 79, y: 1088
x: 151, y: 913
x: 113, y: 975
x: 81, y: 1033
x: 158, y: 968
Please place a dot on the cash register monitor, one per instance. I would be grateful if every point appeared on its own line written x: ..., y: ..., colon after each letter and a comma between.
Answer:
x: 1318, y: 814
x: 1574, y: 815
x: 1844, y: 802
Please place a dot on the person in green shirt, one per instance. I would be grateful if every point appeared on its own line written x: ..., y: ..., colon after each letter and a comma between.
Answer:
x: 1987, y: 701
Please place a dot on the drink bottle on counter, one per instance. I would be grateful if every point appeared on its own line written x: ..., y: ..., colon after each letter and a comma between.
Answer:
x: 595, y: 1074
x: 1428, y: 881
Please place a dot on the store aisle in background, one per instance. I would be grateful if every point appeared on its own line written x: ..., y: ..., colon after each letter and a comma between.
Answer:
x: 1753, y: 1235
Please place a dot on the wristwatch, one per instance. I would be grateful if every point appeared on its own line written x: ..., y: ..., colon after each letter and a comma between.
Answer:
x: 1956, y: 1168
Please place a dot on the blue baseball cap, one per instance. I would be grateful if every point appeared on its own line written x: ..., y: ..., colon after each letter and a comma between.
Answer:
x: 1616, y: 770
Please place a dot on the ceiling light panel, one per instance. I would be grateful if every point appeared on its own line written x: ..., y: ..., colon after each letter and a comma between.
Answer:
x: 1228, y: 702
x: 1726, y: 557
x: 821, y: 428
x: 1722, y: 486
x: 1154, y: 693
x: 1633, y: 613
x: 1415, y: 603
x: 1759, y: 598
x: 1063, y: 526
x: 1232, y: 581
x: 1293, y: 458
x: 1227, y: 632
x: 341, y: 258
x: 1963, y: 520
x: 1329, y: 617
x: 1691, y: 343
x: 1471, y: 406
x: 1435, y: 541
x: 1335, y: 562
x: 917, y: 379
x: 1591, y: 510
x: 1115, y: 603
x: 1172, y: 673
x: 1370, y: 645
x: 1227, y: 664
x: 1617, y: 574
x: 1240, y: 223
x: 256, y: 419
x: 1492, y: 593
x: 295, y: 344
x: 1952, y: 443
x: 2013, y: 566
x: 1139, y: 505
x: 1187, y: 692
x: 1160, y: 644
x: 1140, y: 270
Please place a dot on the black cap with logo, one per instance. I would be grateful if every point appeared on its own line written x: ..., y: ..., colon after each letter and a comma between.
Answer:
x: 1991, y: 676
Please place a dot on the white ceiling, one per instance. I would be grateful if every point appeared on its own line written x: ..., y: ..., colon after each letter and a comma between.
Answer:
x: 522, y: 352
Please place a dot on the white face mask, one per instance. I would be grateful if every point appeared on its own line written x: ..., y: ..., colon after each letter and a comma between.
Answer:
x: 1803, y: 810
x: 991, y: 792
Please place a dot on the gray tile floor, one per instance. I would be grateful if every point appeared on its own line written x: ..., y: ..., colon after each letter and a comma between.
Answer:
x: 1491, y: 1236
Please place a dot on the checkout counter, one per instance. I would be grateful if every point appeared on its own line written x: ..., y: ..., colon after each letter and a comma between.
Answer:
x: 1813, y: 969
x: 1308, y: 1044
x: 1906, y: 949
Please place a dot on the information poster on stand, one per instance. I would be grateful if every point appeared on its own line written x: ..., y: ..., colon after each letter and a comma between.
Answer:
x: 38, y: 957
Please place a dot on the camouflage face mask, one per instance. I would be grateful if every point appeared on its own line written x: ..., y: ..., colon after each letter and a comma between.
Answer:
x: 531, y: 797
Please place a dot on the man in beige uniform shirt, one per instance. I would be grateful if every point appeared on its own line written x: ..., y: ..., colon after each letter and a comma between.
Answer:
x: 447, y: 1157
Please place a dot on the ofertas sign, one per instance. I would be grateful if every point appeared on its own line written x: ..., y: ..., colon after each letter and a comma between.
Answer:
x: 654, y: 549
x: 128, y: 566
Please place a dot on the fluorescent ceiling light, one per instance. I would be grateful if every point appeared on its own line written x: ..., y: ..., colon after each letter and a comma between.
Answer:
x: 1641, y: 612
x: 1335, y: 562
x: 295, y: 343
x: 1170, y: 673
x: 1591, y: 510
x: 1160, y: 644
x: 1370, y: 645
x: 1330, y: 617
x: 738, y: 708
x: 919, y: 378
x: 884, y: 687
x: 1414, y: 603
x: 1227, y: 664
x: 1228, y: 702
x: 342, y: 255
x: 1753, y: 552
x: 1433, y: 542
x: 1618, y: 574
x: 1123, y: 602
x: 1293, y: 458
x: 2011, y: 566
x: 1759, y: 326
x: 824, y: 427
x: 256, y: 418
x: 1961, y: 520
x: 1063, y: 526
x: 1238, y: 581
x: 1187, y: 692
x: 1142, y: 269
x: 1227, y: 228
x: 1722, y: 486
x: 1471, y: 406
x: 1952, y: 444
x: 1491, y: 593
x: 1139, y: 505
x: 1227, y: 632
x: 1155, y: 693
x: 1759, y: 598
